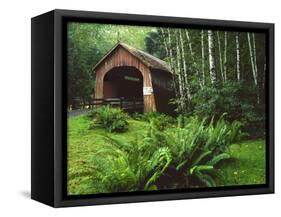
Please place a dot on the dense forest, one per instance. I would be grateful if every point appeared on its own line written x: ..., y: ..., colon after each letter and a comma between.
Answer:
x: 216, y: 136
x: 214, y: 72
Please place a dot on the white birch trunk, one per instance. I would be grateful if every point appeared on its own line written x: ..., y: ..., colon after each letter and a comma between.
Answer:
x: 194, y: 63
x: 237, y: 57
x: 220, y: 56
x: 252, y: 59
x: 211, y: 56
x: 203, y: 57
x: 255, y: 53
x: 256, y: 67
x: 184, y: 67
x: 225, y: 56
x: 179, y: 71
x: 189, y: 44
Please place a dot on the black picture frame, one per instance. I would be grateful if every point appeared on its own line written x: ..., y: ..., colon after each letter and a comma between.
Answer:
x: 48, y: 148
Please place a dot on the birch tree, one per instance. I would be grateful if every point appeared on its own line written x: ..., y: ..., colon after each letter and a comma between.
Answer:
x: 255, y: 53
x: 225, y: 56
x: 179, y: 74
x: 193, y: 60
x: 203, y: 57
x: 168, y: 47
x: 237, y: 57
x: 184, y: 67
x: 252, y: 59
x: 220, y: 56
x: 212, y: 57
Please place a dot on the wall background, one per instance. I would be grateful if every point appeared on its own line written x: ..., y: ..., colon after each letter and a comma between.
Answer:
x: 15, y: 106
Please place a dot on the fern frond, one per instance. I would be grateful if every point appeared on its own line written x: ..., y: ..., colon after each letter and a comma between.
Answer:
x: 218, y: 158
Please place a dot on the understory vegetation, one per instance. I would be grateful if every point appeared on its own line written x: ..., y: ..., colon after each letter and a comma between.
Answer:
x: 155, y: 151
x: 217, y: 134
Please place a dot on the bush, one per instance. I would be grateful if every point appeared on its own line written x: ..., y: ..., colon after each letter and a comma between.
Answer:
x: 113, y: 119
x: 232, y: 100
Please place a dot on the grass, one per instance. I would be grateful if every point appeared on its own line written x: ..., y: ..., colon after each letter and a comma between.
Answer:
x: 82, y: 143
x: 246, y: 167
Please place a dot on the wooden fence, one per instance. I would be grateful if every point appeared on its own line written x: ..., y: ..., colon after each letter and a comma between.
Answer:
x: 133, y: 104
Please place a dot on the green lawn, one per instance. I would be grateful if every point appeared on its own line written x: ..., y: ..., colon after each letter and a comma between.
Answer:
x: 246, y: 167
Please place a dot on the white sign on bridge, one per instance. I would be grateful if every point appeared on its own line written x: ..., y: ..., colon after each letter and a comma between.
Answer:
x: 147, y: 91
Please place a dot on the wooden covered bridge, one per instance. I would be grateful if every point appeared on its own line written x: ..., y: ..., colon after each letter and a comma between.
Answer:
x: 128, y: 73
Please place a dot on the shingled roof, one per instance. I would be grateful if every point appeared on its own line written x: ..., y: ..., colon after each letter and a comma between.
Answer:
x: 149, y: 60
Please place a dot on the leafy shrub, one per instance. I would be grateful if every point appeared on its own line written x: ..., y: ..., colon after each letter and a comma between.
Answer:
x: 113, y: 119
x: 230, y: 99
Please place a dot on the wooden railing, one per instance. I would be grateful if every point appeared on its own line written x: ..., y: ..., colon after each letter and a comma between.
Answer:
x: 127, y: 104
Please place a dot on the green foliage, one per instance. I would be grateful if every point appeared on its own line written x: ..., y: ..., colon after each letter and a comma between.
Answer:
x: 230, y: 99
x: 158, y: 120
x: 123, y: 166
x: 144, y: 158
x: 197, y: 147
x: 87, y: 43
x: 113, y: 119
x: 154, y: 44
x: 191, y: 152
x: 247, y: 166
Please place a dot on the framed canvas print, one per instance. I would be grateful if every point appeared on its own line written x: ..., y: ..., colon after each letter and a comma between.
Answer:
x: 131, y: 108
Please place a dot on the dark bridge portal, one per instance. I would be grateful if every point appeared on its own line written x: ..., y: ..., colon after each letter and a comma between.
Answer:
x: 123, y: 82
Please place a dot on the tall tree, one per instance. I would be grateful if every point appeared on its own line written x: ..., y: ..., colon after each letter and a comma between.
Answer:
x: 187, y: 91
x: 255, y: 54
x: 225, y: 56
x: 192, y: 54
x: 179, y: 73
x: 171, y: 60
x: 220, y: 56
x: 252, y: 58
x: 237, y: 57
x: 203, y: 57
x: 212, y: 63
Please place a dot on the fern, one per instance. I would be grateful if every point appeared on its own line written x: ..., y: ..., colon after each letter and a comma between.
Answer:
x: 200, y: 168
x: 218, y: 158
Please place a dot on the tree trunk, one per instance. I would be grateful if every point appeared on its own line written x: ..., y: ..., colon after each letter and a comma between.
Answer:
x: 253, y: 63
x: 189, y: 45
x: 211, y: 57
x: 255, y: 54
x: 170, y: 57
x: 203, y: 57
x: 252, y: 60
x: 184, y: 68
x: 194, y: 64
x: 180, y: 79
x: 256, y: 67
x: 220, y: 56
x: 225, y: 56
x: 237, y: 57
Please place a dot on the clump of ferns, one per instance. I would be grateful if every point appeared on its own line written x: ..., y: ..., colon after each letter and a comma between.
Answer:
x: 181, y: 157
x: 197, y: 147
x: 134, y: 166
